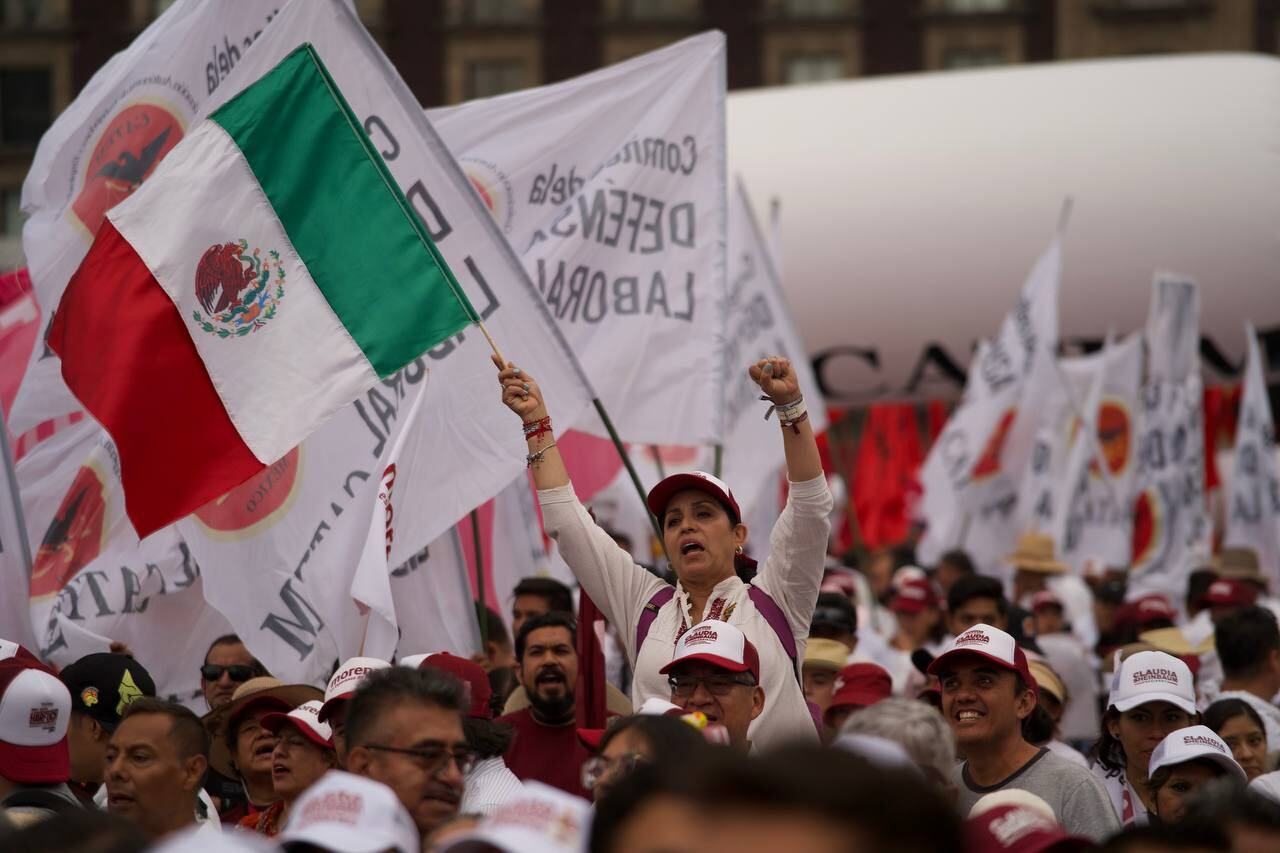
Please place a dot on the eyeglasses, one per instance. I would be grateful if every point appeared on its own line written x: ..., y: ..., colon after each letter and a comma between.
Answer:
x: 717, y: 685
x: 594, y: 768
x: 433, y: 759
x: 237, y: 671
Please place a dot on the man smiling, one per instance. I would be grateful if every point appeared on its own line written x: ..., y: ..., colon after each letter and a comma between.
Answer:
x: 716, y: 671
x: 987, y: 691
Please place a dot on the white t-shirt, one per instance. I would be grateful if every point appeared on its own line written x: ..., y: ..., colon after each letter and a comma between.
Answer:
x: 1124, y: 799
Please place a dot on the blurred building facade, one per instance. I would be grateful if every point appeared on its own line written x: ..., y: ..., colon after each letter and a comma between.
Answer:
x: 454, y: 50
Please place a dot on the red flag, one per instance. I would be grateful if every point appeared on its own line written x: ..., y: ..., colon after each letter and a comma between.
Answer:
x: 889, y: 458
x: 591, y: 712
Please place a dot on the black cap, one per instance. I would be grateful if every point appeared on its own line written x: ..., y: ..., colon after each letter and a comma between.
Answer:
x: 102, y: 685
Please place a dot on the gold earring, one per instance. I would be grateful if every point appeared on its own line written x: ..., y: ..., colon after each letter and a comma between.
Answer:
x: 739, y: 550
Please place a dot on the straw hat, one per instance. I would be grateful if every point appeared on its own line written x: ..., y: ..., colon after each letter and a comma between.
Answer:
x: 1173, y: 641
x: 1239, y: 564
x: 1048, y: 680
x: 271, y: 692
x: 1034, y: 553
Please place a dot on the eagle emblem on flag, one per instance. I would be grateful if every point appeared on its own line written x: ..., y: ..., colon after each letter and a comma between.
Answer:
x: 238, y: 288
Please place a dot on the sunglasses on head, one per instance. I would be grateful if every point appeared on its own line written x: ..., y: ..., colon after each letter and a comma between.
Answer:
x: 237, y: 671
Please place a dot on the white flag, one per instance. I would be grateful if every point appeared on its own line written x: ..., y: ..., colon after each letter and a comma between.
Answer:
x: 1171, y: 534
x: 517, y: 548
x: 433, y: 601
x: 283, y: 573
x: 1096, y: 519
x: 757, y: 325
x: 611, y: 188
x: 131, y: 113
x: 973, y: 471
x: 15, y: 553
x: 1253, y: 511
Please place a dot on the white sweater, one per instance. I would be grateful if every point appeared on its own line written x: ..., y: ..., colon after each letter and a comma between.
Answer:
x: 790, y: 575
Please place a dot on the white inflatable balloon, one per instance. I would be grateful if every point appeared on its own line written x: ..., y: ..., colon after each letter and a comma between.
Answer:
x: 913, y: 207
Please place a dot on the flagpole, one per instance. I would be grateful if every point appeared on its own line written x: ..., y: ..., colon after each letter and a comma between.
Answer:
x: 718, y: 460
x: 657, y: 460
x: 24, y: 546
x: 626, y: 460
x: 479, y: 555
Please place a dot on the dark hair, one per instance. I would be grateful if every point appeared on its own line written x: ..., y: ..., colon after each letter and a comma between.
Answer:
x: 845, y: 615
x: 1193, y: 836
x: 671, y: 740
x: 488, y: 738
x: 630, y: 794
x: 554, y: 619
x: 1038, y: 726
x: 1244, y: 639
x: 1198, y: 583
x: 886, y: 808
x: 558, y: 596
x: 1107, y: 750
x: 188, y: 733
x: 495, y: 628
x: 977, y: 586
x: 384, y: 689
x: 76, y: 830
x: 1161, y: 777
x: 1223, y: 711
x: 1224, y: 803
x: 960, y: 560
x: 234, y: 639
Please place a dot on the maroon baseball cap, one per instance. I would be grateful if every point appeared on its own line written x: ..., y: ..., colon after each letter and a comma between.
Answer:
x: 861, y: 684
x: 1019, y: 829
x: 1229, y: 592
x: 471, y: 675
x: 995, y: 645
x: 1045, y: 598
x: 660, y: 495
x: 35, y: 710
x: 913, y: 596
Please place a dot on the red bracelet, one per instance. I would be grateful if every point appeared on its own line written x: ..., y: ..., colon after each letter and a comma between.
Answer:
x: 795, y: 424
x: 533, y: 429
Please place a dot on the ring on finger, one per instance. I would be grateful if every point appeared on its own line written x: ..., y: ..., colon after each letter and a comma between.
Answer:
x: 525, y: 387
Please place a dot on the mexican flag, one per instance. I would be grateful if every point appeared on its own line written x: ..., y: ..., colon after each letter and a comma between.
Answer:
x: 268, y: 272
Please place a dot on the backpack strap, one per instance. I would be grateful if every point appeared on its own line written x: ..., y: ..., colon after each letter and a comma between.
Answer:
x: 772, y: 613
x: 37, y: 798
x: 650, y: 612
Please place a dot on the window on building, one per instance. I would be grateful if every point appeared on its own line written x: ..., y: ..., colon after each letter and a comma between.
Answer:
x: 24, y: 14
x: 494, y: 77
x: 11, y: 213
x: 496, y: 12
x: 816, y: 8
x: 973, y: 7
x: 813, y: 68
x: 26, y: 96
x: 974, y: 57
x: 658, y: 10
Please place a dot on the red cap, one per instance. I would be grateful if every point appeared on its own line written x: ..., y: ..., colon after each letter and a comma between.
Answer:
x: 995, y: 645
x: 1229, y: 592
x: 913, y: 596
x: 591, y: 738
x: 1019, y: 829
x: 661, y: 494
x: 35, y: 710
x: 861, y: 684
x: 1045, y: 598
x: 471, y: 674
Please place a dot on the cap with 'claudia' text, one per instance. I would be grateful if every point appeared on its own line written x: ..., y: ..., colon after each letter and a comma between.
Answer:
x: 1195, y: 742
x: 35, y: 709
x: 351, y: 814
x: 995, y: 645
x: 539, y: 819
x: 719, y: 644
x: 345, y: 681
x: 661, y: 494
x: 1152, y: 677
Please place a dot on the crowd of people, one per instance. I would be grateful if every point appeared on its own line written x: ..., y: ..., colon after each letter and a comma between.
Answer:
x: 800, y: 703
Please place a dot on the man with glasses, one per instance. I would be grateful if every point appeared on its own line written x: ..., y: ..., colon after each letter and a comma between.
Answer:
x: 716, y: 672
x: 226, y: 666
x: 547, y: 748
x: 404, y: 729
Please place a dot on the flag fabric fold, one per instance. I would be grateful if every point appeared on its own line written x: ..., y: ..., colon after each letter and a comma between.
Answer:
x: 1253, y: 509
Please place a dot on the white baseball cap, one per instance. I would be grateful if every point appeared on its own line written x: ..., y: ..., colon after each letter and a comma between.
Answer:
x: 346, y: 813
x: 306, y: 717
x: 1152, y: 677
x: 346, y: 680
x: 995, y: 645
x: 540, y: 819
x: 35, y: 710
x: 1191, y: 743
x: 412, y: 661
x: 719, y: 644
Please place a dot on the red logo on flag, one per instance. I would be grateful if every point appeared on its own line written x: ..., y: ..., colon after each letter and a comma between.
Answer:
x: 989, y: 462
x: 132, y: 143
x: 74, y: 536
x: 255, y: 504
